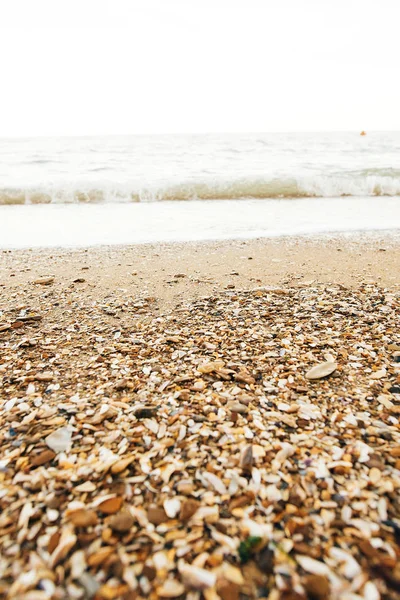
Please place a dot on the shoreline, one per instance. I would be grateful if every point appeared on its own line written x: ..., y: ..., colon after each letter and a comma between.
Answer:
x: 73, y: 225
x: 359, y: 236
x: 204, y: 267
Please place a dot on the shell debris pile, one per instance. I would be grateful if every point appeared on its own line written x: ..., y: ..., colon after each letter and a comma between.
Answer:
x: 243, y: 445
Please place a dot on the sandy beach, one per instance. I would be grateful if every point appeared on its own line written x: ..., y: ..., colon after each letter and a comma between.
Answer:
x: 199, y: 300
x: 209, y: 420
x: 203, y: 267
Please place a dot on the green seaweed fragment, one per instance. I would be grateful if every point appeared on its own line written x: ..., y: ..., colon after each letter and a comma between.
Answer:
x: 247, y: 547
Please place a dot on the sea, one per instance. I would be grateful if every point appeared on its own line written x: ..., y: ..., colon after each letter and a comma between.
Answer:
x: 85, y: 191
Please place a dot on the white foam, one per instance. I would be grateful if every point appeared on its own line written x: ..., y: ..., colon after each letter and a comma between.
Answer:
x: 165, y: 168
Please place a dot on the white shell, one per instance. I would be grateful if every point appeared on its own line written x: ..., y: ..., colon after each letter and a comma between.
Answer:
x: 59, y: 440
x: 322, y: 370
x: 197, y: 578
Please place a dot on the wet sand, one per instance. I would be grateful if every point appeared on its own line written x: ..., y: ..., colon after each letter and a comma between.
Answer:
x: 205, y: 267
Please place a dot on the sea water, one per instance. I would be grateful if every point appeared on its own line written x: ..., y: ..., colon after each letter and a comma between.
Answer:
x: 134, y: 189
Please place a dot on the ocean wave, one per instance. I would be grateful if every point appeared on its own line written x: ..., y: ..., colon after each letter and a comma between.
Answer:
x: 367, y: 182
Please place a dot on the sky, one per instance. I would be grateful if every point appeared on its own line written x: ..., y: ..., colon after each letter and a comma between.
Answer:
x: 93, y: 67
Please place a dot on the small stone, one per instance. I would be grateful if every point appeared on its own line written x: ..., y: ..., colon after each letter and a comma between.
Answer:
x: 179, y: 276
x: 227, y: 590
x: 44, y: 280
x: 122, y: 522
x: 83, y: 518
x: 4, y: 327
x: 145, y: 412
x: 238, y: 407
x: 395, y: 389
x: 188, y: 509
x: 156, y: 515
x: 317, y: 586
x: 322, y: 370
x: 42, y: 458
x: 46, y: 376
x: 246, y: 458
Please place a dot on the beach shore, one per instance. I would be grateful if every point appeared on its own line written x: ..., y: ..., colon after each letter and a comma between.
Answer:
x: 204, y: 267
x: 214, y: 420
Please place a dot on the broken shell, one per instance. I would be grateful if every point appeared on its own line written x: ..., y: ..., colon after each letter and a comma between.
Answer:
x: 197, y: 578
x: 60, y: 440
x: 171, y: 588
x: 322, y: 370
x: 172, y: 507
x: 44, y: 280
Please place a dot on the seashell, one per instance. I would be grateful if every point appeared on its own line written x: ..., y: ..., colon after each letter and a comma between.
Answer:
x: 322, y: 370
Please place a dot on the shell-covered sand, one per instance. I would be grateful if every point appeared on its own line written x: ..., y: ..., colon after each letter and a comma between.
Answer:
x: 176, y: 440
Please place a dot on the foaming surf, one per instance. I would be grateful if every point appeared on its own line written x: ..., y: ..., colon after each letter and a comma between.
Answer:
x: 364, y: 183
x: 141, y: 169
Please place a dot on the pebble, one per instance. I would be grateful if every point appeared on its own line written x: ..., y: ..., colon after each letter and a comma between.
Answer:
x: 246, y: 458
x: 46, y: 376
x: 145, y: 412
x: 83, y: 518
x: 42, y: 458
x: 317, y: 586
x: 188, y: 509
x: 238, y: 407
x: 121, y: 522
x: 156, y: 515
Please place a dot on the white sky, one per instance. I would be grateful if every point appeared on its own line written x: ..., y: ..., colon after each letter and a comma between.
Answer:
x: 77, y: 67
